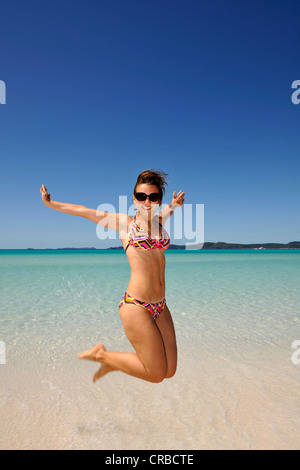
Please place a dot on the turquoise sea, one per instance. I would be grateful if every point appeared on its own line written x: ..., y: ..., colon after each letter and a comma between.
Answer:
x: 236, y: 314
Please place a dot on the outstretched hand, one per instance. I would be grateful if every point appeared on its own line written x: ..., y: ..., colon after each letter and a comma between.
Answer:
x: 45, y: 195
x: 179, y: 199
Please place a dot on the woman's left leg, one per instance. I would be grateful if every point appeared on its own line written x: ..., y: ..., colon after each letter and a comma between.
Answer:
x: 166, y: 327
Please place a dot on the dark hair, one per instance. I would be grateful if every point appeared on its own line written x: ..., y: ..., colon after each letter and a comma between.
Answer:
x: 154, y: 177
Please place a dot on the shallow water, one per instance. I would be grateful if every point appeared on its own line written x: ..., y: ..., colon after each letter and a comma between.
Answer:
x: 236, y: 315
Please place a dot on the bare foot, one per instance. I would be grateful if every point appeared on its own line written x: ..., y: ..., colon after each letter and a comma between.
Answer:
x: 96, y: 354
x: 104, y: 369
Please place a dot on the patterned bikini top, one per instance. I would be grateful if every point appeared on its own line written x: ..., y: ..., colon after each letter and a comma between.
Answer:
x: 140, y: 239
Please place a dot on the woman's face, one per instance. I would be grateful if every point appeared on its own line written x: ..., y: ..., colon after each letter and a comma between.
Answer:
x: 146, y: 207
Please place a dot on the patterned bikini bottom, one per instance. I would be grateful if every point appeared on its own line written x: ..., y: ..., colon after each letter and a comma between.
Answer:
x: 154, y: 309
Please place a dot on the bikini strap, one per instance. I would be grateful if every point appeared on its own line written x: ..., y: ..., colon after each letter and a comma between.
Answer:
x: 128, y: 232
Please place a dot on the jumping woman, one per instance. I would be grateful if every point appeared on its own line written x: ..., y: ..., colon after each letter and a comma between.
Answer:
x: 146, y: 319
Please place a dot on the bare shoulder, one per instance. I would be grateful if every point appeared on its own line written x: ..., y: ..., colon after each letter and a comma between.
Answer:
x: 158, y: 219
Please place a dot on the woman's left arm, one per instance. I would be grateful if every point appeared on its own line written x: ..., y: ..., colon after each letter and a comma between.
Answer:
x: 177, y: 201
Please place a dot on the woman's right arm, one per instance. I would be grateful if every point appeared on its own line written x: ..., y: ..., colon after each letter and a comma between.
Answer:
x: 108, y: 220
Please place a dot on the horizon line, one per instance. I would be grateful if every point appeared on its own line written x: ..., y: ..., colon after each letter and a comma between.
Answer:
x: 172, y: 244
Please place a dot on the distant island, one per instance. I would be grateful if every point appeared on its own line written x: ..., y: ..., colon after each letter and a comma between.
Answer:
x: 231, y: 246
x: 206, y: 246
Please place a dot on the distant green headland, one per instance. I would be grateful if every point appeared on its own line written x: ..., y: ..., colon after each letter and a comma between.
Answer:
x: 237, y: 246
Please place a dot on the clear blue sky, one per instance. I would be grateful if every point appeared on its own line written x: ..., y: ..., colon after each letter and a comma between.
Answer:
x: 98, y: 91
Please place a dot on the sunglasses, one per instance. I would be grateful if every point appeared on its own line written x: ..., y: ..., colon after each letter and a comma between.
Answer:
x: 153, y: 197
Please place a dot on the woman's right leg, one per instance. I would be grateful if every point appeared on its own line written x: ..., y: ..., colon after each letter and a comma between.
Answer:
x: 148, y: 362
